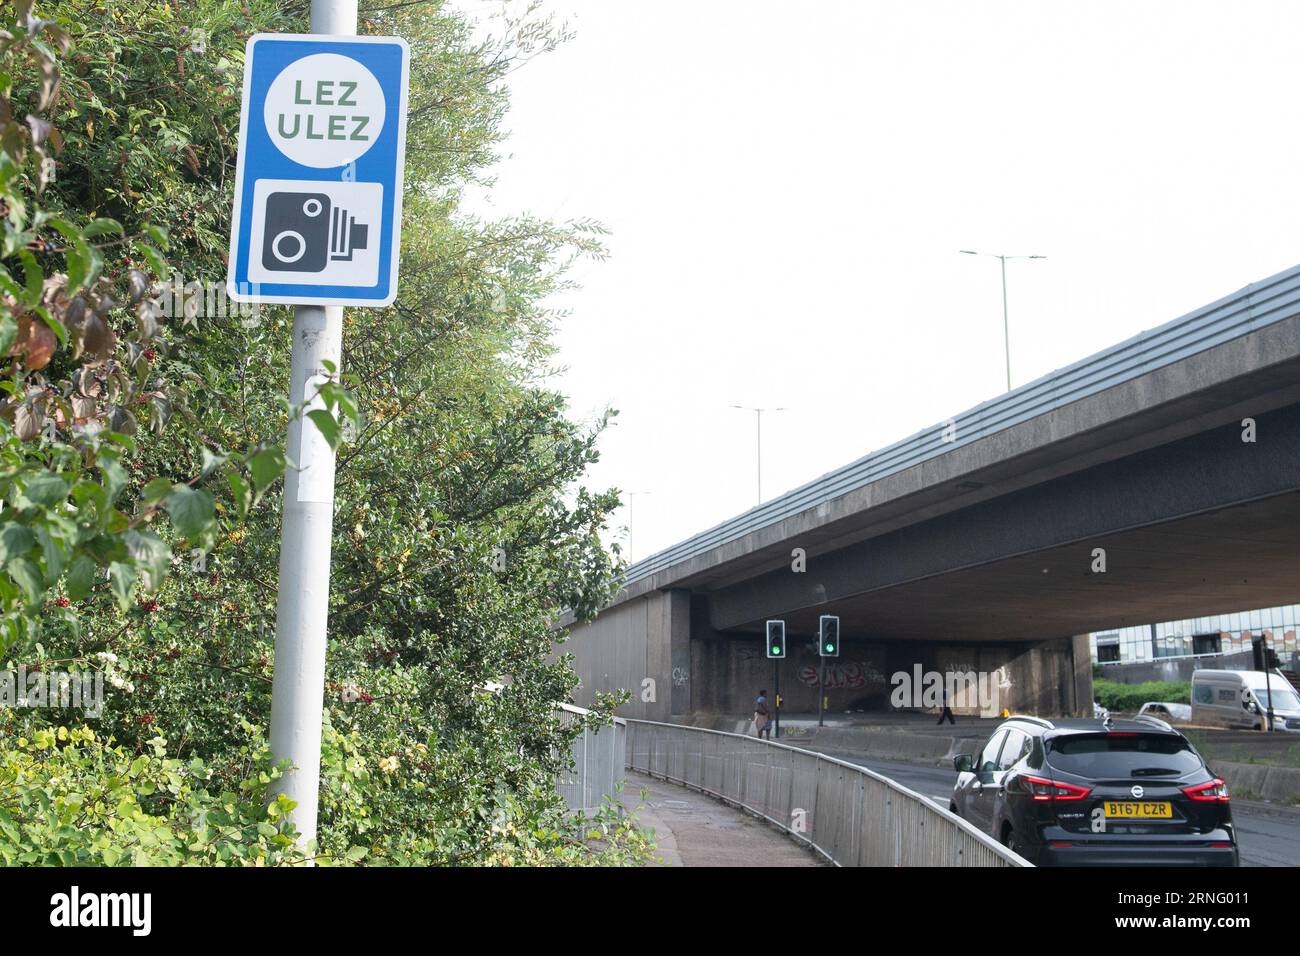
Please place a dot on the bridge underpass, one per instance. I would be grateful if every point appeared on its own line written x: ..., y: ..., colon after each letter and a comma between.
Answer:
x: 973, y: 545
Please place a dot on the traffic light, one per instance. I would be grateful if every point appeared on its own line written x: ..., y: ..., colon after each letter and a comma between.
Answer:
x: 828, y: 644
x: 776, y: 638
x: 1265, y: 658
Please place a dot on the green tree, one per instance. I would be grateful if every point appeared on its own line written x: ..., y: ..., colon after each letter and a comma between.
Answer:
x: 462, y: 527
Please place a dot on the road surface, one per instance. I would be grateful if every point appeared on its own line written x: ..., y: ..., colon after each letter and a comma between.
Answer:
x: 1266, y: 835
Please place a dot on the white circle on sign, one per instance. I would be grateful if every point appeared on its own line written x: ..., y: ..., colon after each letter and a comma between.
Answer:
x: 324, y: 110
x: 296, y: 237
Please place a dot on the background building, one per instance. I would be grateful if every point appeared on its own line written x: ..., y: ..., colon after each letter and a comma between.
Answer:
x: 1174, y: 649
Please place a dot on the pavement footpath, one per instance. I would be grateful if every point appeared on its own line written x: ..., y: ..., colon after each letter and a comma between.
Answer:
x: 691, y: 829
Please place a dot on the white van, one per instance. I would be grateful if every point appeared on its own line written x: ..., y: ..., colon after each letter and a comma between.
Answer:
x: 1241, y: 699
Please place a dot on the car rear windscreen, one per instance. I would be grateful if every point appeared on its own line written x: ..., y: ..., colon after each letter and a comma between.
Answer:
x: 1123, y: 755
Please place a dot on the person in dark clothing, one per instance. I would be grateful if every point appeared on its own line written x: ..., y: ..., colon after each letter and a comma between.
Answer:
x: 946, y: 713
x: 762, y: 716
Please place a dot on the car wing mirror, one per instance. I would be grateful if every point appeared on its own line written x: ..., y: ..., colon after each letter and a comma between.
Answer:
x: 963, y: 763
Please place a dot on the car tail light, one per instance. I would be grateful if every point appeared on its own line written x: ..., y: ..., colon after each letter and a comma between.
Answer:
x: 1050, y: 790
x: 1216, y: 791
x: 1220, y: 846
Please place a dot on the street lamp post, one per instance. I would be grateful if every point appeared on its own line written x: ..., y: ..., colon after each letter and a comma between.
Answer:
x: 1006, y: 326
x: 758, y: 423
x: 631, y: 515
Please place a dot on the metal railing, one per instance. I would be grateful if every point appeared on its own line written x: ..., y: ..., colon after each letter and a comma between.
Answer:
x: 599, y: 757
x: 848, y: 814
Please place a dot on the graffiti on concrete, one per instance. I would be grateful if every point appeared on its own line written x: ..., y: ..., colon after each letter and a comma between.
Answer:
x: 844, y: 674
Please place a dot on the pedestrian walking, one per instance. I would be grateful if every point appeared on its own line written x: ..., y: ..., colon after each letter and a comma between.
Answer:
x: 946, y: 713
x: 762, y: 716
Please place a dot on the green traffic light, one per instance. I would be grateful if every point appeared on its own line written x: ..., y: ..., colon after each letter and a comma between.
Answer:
x: 830, y: 647
x: 776, y: 650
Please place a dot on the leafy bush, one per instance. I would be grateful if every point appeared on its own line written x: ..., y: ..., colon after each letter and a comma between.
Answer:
x: 1129, y: 698
x: 141, y: 459
x: 69, y: 798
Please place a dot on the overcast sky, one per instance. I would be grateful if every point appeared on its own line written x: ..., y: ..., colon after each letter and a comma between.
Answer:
x: 788, y: 186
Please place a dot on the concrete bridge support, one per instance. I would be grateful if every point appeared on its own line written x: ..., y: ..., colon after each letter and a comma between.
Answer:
x: 661, y: 648
x: 642, y: 646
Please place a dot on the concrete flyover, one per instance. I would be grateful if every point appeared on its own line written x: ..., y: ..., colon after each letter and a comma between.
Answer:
x: 978, y: 544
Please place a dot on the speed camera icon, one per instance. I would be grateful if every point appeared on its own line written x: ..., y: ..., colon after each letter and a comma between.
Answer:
x: 315, y: 233
x: 307, y: 231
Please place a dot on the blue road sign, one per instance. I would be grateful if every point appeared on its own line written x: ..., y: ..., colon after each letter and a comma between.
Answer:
x: 318, y: 186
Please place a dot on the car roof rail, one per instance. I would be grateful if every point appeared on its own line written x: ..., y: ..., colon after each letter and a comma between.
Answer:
x: 1163, y: 725
x: 1040, y: 721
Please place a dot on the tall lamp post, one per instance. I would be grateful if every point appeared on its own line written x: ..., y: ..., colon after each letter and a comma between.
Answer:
x: 631, y: 514
x: 1006, y: 327
x: 758, y: 422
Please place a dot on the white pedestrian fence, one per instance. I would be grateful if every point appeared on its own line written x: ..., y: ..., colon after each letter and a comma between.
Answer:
x: 848, y: 814
x: 599, y: 757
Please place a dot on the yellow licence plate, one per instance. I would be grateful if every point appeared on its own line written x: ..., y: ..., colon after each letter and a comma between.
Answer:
x: 1143, y: 810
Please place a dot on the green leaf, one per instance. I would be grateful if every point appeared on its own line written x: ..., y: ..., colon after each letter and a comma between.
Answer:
x: 84, y: 261
x: 51, y: 553
x: 158, y: 235
x: 211, y: 462
x: 15, y: 541
x: 239, y: 490
x: 157, y: 261
x: 191, y: 510
x: 156, y: 490
x: 8, y: 284
x: 81, y: 577
x: 121, y: 576
x: 34, y: 279
x: 57, y: 327
x: 151, y: 555
x: 266, y: 466
x: 329, y: 428
x: 102, y: 226
x: 46, y: 490
x: 114, y: 478
x: 27, y: 576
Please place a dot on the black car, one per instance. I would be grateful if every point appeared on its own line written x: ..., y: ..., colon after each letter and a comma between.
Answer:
x: 1096, y: 792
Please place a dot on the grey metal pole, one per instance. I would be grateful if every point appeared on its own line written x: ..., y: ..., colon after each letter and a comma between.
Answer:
x: 758, y: 445
x: 776, y: 695
x: 1268, y: 686
x: 821, y: 692
x: 302, y: 603
x: 1006, y: 324
x: 631, y: 523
